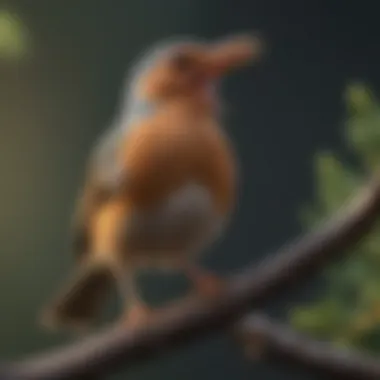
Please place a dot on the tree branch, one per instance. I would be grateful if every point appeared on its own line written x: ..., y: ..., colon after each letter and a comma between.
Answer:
x: 264, y: 337
x: 194, y: 318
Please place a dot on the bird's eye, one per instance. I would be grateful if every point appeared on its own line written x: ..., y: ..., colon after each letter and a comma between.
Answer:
x: 182, y: 62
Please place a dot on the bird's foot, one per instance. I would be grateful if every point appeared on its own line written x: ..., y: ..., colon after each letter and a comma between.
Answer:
x: 210, y: 286
x: 207, y: 285
x: 137, y: 315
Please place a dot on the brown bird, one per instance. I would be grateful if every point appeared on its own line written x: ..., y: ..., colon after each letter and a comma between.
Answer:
x: 161, y: 184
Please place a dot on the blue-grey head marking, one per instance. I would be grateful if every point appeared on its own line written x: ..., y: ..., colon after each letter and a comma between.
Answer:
x: 134, y: 107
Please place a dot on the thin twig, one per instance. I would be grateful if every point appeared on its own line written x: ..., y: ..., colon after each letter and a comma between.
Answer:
x: 273, y: 340
x: 192, y: 319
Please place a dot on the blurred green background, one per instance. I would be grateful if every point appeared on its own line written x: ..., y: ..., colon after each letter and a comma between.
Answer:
x: 62, y: 67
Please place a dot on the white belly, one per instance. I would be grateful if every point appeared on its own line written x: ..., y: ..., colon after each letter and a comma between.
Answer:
x: 181, y: 226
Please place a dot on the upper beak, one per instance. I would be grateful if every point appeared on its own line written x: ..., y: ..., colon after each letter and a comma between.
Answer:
x: 231, y: 53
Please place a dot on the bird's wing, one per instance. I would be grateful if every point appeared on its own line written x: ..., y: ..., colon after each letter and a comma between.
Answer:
x: 102, y: 179
x: 159, y: 155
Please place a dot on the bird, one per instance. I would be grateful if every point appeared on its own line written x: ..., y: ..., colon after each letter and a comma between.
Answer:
x: 161, y: 183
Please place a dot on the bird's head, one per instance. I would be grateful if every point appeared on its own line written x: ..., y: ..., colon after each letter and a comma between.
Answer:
x: 191, y: 69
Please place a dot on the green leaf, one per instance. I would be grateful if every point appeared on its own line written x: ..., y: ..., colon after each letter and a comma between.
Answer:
x: 321, y: 319
x: 362, y: 126
x: 349, y: 312
x: 14, y: 38
x: 370, y: 341
x: 335, y: 183
x: 359, y: 99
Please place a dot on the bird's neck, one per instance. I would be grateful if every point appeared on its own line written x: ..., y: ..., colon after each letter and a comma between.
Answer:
x: 140, y: 108
x: 137, y: 109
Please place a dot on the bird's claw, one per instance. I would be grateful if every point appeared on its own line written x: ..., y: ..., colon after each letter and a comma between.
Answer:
x: 137, y: 315
x: 209, y: 286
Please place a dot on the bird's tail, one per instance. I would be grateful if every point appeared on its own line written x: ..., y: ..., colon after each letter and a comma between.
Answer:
x: 79, y: 302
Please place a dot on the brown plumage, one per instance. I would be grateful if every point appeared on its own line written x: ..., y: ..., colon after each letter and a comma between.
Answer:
x: 161, y: 185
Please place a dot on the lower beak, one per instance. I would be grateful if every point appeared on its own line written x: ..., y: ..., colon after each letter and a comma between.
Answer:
x: 231, y: 53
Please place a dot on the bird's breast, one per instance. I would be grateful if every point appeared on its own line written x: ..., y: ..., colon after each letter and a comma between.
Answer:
x: 171, y: 149
x: 182, y: 223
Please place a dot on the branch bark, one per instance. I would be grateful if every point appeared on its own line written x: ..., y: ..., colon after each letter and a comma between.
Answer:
x: 195, y: 318
x: 265, y: 338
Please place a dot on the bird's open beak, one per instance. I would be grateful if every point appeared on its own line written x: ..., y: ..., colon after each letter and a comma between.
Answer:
x: 231, y: 53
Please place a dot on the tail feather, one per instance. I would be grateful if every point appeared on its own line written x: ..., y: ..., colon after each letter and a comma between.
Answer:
x: 78, y: 304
